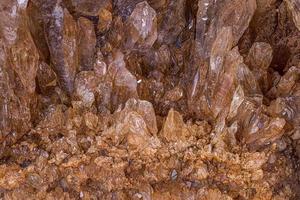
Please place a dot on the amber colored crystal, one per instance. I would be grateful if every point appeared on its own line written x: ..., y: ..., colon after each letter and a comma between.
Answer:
x: 150, y: 99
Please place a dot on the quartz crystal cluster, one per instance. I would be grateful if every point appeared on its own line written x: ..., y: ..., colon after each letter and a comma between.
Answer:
x: 150, y: 99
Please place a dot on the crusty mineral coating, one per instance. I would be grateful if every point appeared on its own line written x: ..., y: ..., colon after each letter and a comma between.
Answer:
x: 156, y: 99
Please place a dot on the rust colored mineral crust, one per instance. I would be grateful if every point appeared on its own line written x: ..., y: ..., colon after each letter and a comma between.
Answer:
x: 150, y: 99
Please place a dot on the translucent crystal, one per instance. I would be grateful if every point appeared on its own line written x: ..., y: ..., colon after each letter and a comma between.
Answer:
x: 87, y: 7
x: 86, y: 43
x: 156, y: 99
x: 260, y: 56
x: 19, y: 63
x: 142, y: 26
x: 124, y: 83
x: 146, y: 110
x: 235, y: 14
x: 294, y: 7
x: 85, y: 86
x: 174, y: 127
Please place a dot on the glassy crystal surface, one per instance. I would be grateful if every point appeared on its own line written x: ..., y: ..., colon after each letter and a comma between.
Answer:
x: 149, y: 99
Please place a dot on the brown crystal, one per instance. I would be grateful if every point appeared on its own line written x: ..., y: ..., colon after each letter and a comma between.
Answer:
x: 86, y: 44
x: 142, y: 25
x: 149, y: 99
x: 294, y: 7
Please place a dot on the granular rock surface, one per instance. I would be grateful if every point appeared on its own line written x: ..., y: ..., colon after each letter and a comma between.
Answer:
x: 156, y: 99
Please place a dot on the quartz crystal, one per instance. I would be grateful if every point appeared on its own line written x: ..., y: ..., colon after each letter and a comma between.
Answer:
x: 18, y: 69
x: 142, y: 25
x: 150, y: 99
x: 294, y: 7
x: 86, y: 44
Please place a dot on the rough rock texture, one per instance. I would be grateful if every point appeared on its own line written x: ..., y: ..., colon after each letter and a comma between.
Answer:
x: 156, y: 99
x: 19, y: 63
